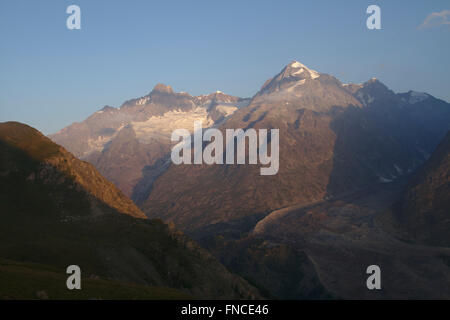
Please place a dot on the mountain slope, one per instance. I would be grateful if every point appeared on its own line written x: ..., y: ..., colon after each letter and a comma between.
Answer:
x: 30, y: 156
x: 425, y: 207
x: 346, y: 234
x: 57, y: 210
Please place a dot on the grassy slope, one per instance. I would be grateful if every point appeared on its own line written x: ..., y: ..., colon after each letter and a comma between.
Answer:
x: 120, y: 248
x: 35, y: 281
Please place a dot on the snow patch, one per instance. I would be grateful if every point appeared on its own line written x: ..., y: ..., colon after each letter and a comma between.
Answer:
x: 226, y: 110
x: 415, y: 97
x: 399, y: 170
x: 314, y: 74
x: 142, y: 101
x: 162, y: 126
x: 297, y: 65
x: 299, y: 83
x: 384, y: 180
x: 299, y: 71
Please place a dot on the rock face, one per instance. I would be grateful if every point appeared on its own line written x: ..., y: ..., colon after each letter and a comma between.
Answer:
x: 57, y: 211
x: 425, y: 208
x: 334, y: 139
x: 129, y: 144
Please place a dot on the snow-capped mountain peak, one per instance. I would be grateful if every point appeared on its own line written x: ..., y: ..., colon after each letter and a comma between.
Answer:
x: 292, y: 78
x: 296, y: 68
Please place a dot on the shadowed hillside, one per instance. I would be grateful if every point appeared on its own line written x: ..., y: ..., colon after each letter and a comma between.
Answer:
x: 57, y: 210
x: 424, y: 211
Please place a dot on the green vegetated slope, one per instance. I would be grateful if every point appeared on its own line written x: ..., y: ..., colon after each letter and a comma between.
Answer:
x: 35, y: 281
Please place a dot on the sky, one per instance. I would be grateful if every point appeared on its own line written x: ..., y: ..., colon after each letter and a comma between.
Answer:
x: 51, y: 76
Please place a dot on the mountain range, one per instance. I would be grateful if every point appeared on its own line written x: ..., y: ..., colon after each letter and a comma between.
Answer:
x: 129, y: 145
x: 360, y: 182
x: 334, y: 137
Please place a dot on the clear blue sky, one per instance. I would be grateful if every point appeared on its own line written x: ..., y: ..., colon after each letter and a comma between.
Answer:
x: 51, y: 76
